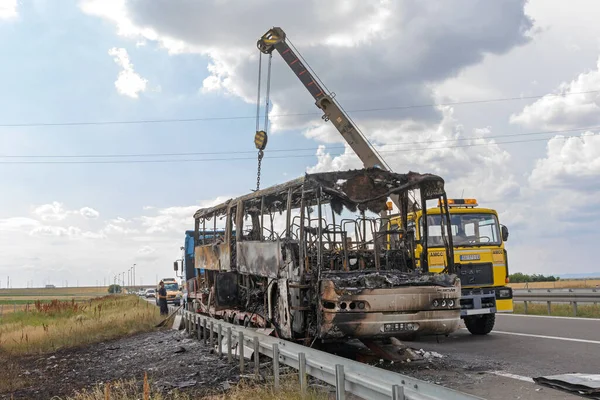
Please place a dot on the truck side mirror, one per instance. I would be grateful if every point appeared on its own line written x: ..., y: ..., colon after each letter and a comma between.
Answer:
x: 175, y: 266
x: 504, y: 233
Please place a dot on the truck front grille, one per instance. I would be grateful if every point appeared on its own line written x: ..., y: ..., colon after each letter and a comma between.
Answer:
x: 476, y: 274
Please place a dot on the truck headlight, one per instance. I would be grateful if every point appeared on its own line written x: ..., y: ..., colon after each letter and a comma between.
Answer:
x: 504, y: 293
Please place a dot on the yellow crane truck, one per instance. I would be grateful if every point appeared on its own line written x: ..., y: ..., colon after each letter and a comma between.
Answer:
x: 479, y: 256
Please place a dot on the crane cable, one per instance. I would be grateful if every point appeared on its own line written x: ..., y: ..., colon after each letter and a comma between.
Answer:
x: 260, y: 138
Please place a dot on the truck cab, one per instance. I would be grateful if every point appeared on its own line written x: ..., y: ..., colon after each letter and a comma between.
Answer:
x: 479, y: 256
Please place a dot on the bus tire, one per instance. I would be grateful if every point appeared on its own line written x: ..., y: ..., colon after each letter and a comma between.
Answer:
x: 480, y: 324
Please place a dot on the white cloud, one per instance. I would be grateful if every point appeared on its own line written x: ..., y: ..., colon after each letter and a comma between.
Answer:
x: 64, y: 241
x: 8, y: 9
x: 331, y: 36
x: 56, y: 211
x: 120, y: 220
x: 175, y: 219
x: 51, y: 212
x: 570, y: 163
x: 114, y: 229
x: 146, y: 250
x: 89, y: 213
x: 568, y: 107
x: 60, y: 231
x: 18, y: 224
x: 129, y: 83
x: 482, y: 168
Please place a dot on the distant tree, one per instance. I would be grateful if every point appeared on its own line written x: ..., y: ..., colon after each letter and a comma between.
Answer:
x: 519, y: 277
x: 114, y: 289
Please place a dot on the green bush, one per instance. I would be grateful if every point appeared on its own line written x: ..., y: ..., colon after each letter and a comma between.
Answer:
x: 114, y: 289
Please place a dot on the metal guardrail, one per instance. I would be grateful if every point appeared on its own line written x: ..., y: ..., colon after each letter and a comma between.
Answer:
x: 345, y: 375
x: 549, y: 296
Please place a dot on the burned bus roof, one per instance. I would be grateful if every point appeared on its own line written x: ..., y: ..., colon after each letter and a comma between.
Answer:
x: 363, y: 189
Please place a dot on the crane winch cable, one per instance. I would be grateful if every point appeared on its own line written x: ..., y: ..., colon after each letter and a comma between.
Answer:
x: 260, y: 138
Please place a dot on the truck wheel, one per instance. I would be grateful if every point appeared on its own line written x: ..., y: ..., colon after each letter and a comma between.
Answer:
x: 480, y: 324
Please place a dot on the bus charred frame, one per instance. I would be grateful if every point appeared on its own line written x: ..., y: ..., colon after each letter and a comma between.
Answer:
x: 282, y: 261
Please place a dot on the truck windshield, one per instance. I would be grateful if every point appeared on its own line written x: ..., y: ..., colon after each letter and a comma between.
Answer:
x: 467, y: 230
x: 171, y: 287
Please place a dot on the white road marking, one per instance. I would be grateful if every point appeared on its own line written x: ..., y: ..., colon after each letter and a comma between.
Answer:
x: 551, y: 317
x: 512, y: 376
x: 547, y: 337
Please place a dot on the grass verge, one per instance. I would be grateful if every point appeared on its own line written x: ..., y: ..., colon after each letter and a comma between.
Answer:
x: 54, y: 292
x: 559, y: 310
x: 561, y: 284
x: 59, y: 324
x: 245, y: 390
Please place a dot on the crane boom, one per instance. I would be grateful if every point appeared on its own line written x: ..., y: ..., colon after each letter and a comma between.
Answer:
x: 274, y: 39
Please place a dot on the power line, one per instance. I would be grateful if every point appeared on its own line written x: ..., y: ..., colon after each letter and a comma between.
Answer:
x: 272, y: 157
x: 140, y: 155
x: 241, y: 117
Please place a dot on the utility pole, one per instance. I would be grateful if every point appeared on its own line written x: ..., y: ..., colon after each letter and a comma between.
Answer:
x: 134, y: 275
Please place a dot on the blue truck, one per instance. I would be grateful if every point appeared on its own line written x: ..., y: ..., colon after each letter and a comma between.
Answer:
x: 191, y: 275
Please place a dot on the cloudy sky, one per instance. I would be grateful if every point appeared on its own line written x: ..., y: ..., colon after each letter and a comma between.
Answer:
x: 84, y: 196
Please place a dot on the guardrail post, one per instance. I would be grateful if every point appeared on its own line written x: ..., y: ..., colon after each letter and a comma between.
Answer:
x: 302, y: 372
x: 211, y: 335
x: 340, y: 383
x: 199, y: 328
x: 205, y: 332
x: 574, y: 308
x: 276, y: 365
x: 549, y: 308
x: 241, y: 351
x: 220, y: 340
x: 256, y: 357
x: 397, y: 392
x: 525, y: 307
x: 229, y: 344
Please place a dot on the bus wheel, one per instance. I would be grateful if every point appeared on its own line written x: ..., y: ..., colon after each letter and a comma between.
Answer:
x: 480, y: 324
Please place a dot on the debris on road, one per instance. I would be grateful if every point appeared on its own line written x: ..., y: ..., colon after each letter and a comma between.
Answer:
x: 583, y: 384
x: 180, y: 349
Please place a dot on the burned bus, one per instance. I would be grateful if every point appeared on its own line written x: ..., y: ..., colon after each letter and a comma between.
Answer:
x: 315, y: 258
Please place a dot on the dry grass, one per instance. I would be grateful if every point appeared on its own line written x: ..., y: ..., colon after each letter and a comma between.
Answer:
x: 124, y: 390
x: 61, y: 324
x: 11, y: 376
x: 7, y: 308
x: 562, y: 284
x: 290, y: 390
x: 55, y: 293
x: 559, y: 310
x: 133, y: 390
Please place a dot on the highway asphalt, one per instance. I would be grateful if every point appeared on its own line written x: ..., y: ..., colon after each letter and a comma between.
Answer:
x: 520, y: 348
